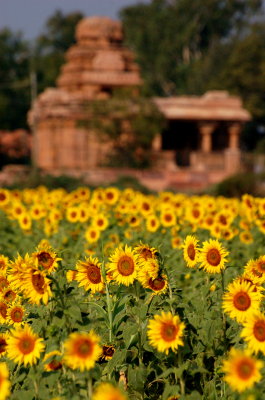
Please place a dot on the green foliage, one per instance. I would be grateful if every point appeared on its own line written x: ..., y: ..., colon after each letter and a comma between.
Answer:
x: 131, y: 122
x: 239, y: 184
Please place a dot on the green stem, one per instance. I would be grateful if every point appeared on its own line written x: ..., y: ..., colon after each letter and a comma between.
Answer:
x: 89, y: 387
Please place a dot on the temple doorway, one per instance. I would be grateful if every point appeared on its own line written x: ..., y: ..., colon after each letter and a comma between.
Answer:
x: 183, y: 137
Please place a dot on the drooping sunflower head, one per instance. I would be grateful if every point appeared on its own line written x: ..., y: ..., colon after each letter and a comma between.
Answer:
x: 240, y: 300
x: 191, y: 251
x: 82, y: 350
x: 107, y: 352
x: 46, y: 257
x: 53, y: 361
x: 165, y: 332
x: 123, y: 265
x: 241, y: 370
x: 212, y: 256
x: 145, y: 252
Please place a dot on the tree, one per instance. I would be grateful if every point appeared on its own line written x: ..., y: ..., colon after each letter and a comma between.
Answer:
x: 51, y: 45
x: 14, y: 80
x: 130, y: 122
x: 170, y: 36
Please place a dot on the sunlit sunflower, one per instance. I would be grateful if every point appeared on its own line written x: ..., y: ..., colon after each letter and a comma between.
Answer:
x: 25, y: 221
x: 4, y: 382
x: 72, y: 214
x: 81, y: 350
x: 53, y: 361
x: 24, y: 346
x: 191, y: 251
x: 123, y: 265
x: 100, y: 222
x: 107, y: 391
x: 111, y: 195
x: 176, y: 242
x: 36, y: 287
x: 16, y: 314
x: 212, y: 256
x: 240, y: 300
x: 45, y: 257
x: 4, y: 197
x: 254, y: 332
x: 246, y: 237
x: 147, y: 269
x: 158, y: 284
x: 256, y: 269
x: 3, y: 281
x: 89, y: 275
x: 165, y: 332
x: 3, y: 343
x: 3, y: 312
x: 92, y: 234
x: 241, y: 370
x: 8, y: 295
x: 152, y: 223
x: 168, y: 217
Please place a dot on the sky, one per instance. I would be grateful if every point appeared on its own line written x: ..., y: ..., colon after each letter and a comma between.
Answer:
x: 29, y: 16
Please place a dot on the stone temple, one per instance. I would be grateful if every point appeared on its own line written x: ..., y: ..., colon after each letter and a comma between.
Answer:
x: 199, y: 146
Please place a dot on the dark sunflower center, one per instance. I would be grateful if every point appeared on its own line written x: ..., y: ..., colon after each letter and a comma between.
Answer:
x: 9, y: 296
x: 168, y: 217
x: 261, y: 265
x: 245, y: 369
x: 169, y: 332
x: 125, y: 265
x: 93, y: 274
x: 55, y: 365
x: 3, y: 345
x: 38, y: 283
x: 17, y: 314
x: 191, y: 251
x: 196, y: 213
x: 2, y: 196
x: 26, y: 345
x: 213, y: 257
x: 84, y: 348
x: 45, y: 259
x: 108, y: 351
x: 157, y: 283
x: 259, y: 330
x: 3, y: 310
x: 146, y: 253
x: 242, y: 301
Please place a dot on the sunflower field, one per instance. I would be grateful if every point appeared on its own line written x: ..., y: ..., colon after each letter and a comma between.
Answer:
x: 111, y: 294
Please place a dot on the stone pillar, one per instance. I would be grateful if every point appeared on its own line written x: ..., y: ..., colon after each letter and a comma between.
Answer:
x: 157, y: 143
x: 234, y: 131
x: 206, y: 129
x: 232, y: 153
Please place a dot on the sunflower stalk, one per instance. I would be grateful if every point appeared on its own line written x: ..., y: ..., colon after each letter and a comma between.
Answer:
x: 109, y: 304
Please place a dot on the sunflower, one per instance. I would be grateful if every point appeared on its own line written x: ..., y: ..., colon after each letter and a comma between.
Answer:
x: 89, y: 275
x: 246, y: 237
x: 111, y: 195
x: 158, y: 285
x: 36, y: 287
x: 152, y: 223
x: 240, y: 300
x: 16, y: 314
x: 8, y: 295
x: 146, y: 270
x: 168, y: 217
x: 3, y: 311
x: 256, y: 270
x: 123, y: 265
x: 107, y: 353
x: 24, y: 346
x: 4, y: 382
x: 72, y: 214
x: 190, y: 251
x: 165, y: 332
x: 4, y: 197
x: 92, y: 234
x: 3, y: 344
x: 25, y: 221
x: 241, y: 370
x: 71, y: 275
x: 145, y: 252
x: 45, y: 257
x: 254, y: 332
x: 212, y: 256
x: 81, y: 350
x: 100, y: 222
x: 52, y: 361
x: 107, y: 391
x: 176, y: 242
